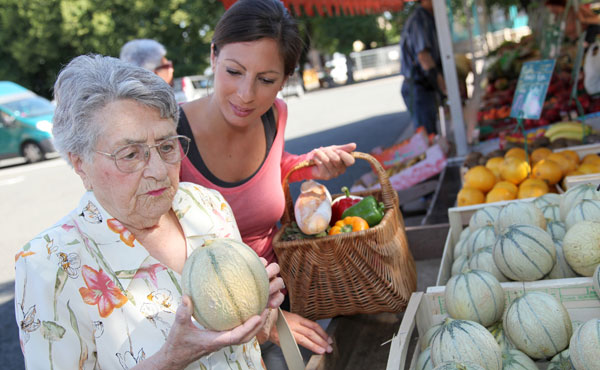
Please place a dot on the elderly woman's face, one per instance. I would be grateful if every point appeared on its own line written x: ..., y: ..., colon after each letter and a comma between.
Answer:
x: 139, y: 198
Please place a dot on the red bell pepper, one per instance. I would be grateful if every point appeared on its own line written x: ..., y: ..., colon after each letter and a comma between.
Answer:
x: 340, y: 204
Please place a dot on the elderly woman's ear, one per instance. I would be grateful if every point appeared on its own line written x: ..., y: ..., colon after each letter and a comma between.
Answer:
x: 77, y: 163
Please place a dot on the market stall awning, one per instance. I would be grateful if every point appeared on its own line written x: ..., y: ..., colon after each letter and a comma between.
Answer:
x: 337, y: 7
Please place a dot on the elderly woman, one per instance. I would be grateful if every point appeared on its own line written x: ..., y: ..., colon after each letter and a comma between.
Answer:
x: 101, y: 288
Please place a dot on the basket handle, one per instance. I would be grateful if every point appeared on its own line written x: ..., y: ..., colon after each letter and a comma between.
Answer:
x: 388, y: 194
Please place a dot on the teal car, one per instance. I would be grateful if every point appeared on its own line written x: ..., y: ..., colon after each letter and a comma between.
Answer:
x: 25, y: 123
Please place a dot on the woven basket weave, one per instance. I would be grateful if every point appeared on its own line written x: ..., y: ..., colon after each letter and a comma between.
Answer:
x: 366, y: 271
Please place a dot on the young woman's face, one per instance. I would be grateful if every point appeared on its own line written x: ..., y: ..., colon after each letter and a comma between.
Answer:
x: 248, y: 76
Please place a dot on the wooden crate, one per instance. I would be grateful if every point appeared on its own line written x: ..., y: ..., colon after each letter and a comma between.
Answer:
x: 582, y: 150
x: 427, y: 309
x: 458, y: 218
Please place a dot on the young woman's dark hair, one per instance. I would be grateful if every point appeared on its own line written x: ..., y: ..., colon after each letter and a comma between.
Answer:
x: 251, y: 20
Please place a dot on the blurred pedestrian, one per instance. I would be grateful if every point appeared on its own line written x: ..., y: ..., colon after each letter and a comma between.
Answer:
x: 424, y: 85
x: 149, y: 54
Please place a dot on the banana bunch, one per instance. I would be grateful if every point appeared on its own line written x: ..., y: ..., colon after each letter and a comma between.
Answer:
x: 567, y: 130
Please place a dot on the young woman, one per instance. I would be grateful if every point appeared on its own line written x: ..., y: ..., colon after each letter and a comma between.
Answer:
x: 238, y: 132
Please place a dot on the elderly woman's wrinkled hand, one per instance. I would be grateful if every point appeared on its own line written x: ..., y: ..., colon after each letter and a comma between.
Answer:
x: 332, y: 161
x: 187, y: 343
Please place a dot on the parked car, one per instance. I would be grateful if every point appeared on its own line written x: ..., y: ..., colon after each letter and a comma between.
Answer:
x: 25, y: 123
x: 191, y: 87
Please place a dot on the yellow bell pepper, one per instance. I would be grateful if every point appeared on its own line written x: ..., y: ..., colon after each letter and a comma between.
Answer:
x: 349, y: 224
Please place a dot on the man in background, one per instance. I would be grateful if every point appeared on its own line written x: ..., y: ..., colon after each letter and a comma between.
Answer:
x: 148, y: 54
x: 424, y: 85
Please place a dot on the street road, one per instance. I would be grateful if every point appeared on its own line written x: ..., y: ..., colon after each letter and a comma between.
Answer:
x: 33, y: 197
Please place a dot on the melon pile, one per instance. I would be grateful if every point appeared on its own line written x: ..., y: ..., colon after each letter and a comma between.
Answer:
x: 552, y: 237
x: 517, y: 176
x: 487, y: 329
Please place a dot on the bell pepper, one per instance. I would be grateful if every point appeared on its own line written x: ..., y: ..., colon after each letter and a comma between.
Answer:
x: 340, y: 204
x: 349, y: 224
x: 368, y: 209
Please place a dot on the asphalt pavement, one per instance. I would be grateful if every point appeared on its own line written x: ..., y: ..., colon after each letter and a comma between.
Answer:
x: 375, y: 125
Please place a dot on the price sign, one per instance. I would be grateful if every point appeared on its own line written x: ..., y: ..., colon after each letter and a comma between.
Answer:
x: 532, y: 86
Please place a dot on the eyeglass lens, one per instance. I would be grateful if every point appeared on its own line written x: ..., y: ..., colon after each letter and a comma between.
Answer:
x: 134, y: 156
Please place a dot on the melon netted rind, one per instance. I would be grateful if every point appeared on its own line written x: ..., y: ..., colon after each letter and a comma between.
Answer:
x: 538, y: 324
x: 551, y: 212
x: 561, y: 361
x: 514, y: 359
x: 474, y: 295
x: 584, y: 348
x: 585, y: 210
x: 483, y: 259
x: 486, y: 216
x: 461, y: 365
x: 424, y: 360
x: 464, y: 234
x: 576, y: 194
x: 520, y: 213
x: 556, y: 229
x: 581, y: 246
x: 498, y: 332
x: 227, y: 283
x: 561, y: 269
x: 459, y: 265
x: 425, y: 340
x: 460, y: 248
x: 524, y: 252
x: 483, y: 237
x: 466, y: 341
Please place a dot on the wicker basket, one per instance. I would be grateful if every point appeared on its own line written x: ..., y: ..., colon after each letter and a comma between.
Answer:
x: 360, y: 272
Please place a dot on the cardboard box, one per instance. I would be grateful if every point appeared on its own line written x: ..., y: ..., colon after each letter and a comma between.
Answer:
x: 427, y: 309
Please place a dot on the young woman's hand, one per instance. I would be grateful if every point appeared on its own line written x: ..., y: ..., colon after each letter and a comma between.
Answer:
x: 307, y: 333
x: 332, y: 161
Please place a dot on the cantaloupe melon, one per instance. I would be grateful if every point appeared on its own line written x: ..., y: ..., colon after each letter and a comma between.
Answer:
x: 538, y: 324
x: 474, y: 295
x: 425, y: 341
x: 468, y: 341
x: 561, y: 269
x: 581, y: 246
x: 524, y: 213
x: 424, y: 360
x: 576, y: 194
x: 460, y: 248
x: 514, y: 359
x: 585, y: 210
x: 484, y: 217
x: 483, y: 237
x: 460, y: 264
x: 596, y: 280
x: 561, y: 361
x: 227, y: 283
x: 503, y: 341
x: 459, y: 365
x: 464, y: 233
x: 551, y: 212
x: 483, y: 259
x: 556, y: 229
x: 546, y: 200
x: 524, y: 252
x: 584, y: 348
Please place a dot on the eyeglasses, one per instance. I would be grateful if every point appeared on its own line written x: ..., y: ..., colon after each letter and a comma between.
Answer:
x: 134, y: 157
x: 167, y: 65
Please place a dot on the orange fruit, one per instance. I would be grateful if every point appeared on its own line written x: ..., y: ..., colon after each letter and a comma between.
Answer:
x: 591, y: 158
x: 494, y: 164
x: 516, y: 152
x: 588, y: 168
x: 508, y: 186
x: 570, y: 154
x: 539, y: 154
x: 548, y: 170
x: 499, y: 193
x: 481, y: 178
x: 514, y: 170
x: 532, y: 188
x: 468, y: 196
x: 563, y: 162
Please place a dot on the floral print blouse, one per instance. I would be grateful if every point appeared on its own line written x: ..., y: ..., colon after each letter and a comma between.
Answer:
x: 89, y: 296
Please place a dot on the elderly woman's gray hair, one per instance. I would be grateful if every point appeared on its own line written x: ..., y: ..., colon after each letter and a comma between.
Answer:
x: 89, y: 83
x: 143, y: 53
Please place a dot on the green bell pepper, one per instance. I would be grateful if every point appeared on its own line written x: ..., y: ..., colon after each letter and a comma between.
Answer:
x: 368, y: 209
